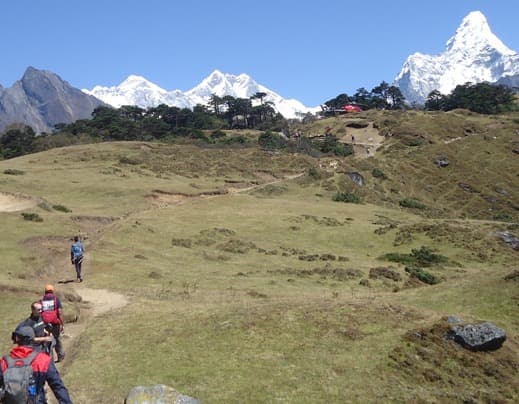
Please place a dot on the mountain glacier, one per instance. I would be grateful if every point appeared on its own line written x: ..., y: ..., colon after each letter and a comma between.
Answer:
x: 474, y: 54
x: 136, y: 90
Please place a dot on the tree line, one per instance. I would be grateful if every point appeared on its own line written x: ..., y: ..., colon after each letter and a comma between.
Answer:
x: 167, y: 123
x: 483, y: 98
x: 382, y: 96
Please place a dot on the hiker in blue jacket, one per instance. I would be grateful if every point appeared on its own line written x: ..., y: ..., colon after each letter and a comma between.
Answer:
x: 76, y: 256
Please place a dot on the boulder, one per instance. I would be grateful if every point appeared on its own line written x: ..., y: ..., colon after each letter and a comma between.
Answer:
x: 158, y: 394
x: 509, y: 239
x: 442, y: 161
x: 357, y: 178
x: 478, y: 337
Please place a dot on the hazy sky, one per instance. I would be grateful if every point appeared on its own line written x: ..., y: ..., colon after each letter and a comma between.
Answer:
x: 308, y: 50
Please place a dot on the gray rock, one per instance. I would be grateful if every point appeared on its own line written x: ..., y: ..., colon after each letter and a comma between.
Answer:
x: 478, y: 337
x: 357, y: 178
x: 158, y: 394
x: 509, y: 239
x: 442, y: 161
x: 454, y: 320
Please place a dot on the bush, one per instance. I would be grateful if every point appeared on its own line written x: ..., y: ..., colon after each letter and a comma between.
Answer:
x: 181, y: 242
x: 405, y: 259
x: 412, y: 204
x: 422, y: 275
x: 314, y: 173
x: 218, y: 134
x: 61, y: 208
x: 426, y: 257
x: 271, y: 141
x: 34, y: 217
x: 347, y: 197
x: 378, y: 173
x: 129, y: 160
x: 343, y: 149
x: 12, y: 171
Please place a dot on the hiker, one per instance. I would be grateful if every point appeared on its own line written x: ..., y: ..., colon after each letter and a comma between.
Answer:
x: 13, y: 378
x: 76, y: 256
x: 43, y: 339
x: 352, y: 139
x: 52, y: 313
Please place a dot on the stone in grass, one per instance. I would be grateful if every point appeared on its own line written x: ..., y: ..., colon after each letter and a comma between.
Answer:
x: 158, y: 394
x: 478, y: 337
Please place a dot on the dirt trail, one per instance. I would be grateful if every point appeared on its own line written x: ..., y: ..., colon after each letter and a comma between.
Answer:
x: 15, y: 202
x: 95, y: 302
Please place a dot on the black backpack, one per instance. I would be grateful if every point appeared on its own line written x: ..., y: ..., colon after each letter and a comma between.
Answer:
x: 18, y: 377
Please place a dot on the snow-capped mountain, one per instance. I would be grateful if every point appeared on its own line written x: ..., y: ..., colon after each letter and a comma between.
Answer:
x: 136, y: 90
x: 474, y: 54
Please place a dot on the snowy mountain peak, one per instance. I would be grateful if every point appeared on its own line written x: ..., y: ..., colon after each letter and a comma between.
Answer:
x: 474, y: 54
x: 136, y: 90
x: 139, y: 82
x: 474, y: 32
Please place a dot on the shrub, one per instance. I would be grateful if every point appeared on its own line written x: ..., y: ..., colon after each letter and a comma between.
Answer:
x: 343, y: 149
x: 34, y: 217
x: 218, y: 134
x: 382, y: 272
x: 12, y: 171
x: 128, y: 160
x: 347, y: 197
x: 426, y: 257
x: 304, y: 145
x: 314, y: 173
x: 411, y: 203
x: 378, y: 173
x: 414, y: 142
x: 181, y: 242
x: 422, y: 275
x: 405, y: 259
x: 271, y: 141
x: 61, y: 208
x: 503, y: 217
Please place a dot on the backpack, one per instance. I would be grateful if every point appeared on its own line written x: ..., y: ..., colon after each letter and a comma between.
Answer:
x: 49, y: 312
x: 77, y: 250
x: 18, y: 378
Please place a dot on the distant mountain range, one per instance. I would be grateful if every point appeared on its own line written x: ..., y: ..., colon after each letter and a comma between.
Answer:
x: 41, y: 99
x: 474, y: 54
x: 136, y: 90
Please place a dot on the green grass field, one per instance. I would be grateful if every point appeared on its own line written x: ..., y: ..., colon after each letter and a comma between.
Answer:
x: 247, y: 283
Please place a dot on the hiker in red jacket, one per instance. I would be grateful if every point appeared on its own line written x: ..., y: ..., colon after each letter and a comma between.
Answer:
x: 52, y: 313
x: 43, y: 367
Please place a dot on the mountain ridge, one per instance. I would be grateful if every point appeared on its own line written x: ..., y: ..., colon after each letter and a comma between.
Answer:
x: 41, y: 99
x: 137, y: 90
x: 473, y: 54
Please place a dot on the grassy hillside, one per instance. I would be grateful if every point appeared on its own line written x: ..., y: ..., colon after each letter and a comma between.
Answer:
x: 247, y: 282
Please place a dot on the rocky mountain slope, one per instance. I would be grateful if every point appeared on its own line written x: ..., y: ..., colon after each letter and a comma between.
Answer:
x: 41, y: 99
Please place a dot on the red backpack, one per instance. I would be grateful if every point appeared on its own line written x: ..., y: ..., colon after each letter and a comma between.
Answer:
x: 50, y: 312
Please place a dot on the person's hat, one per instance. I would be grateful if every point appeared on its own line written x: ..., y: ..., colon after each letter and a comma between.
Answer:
x: 49, y: 288
x: 25, y: 333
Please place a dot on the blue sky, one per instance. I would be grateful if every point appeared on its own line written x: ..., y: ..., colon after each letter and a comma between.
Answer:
x: 308, y: 50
